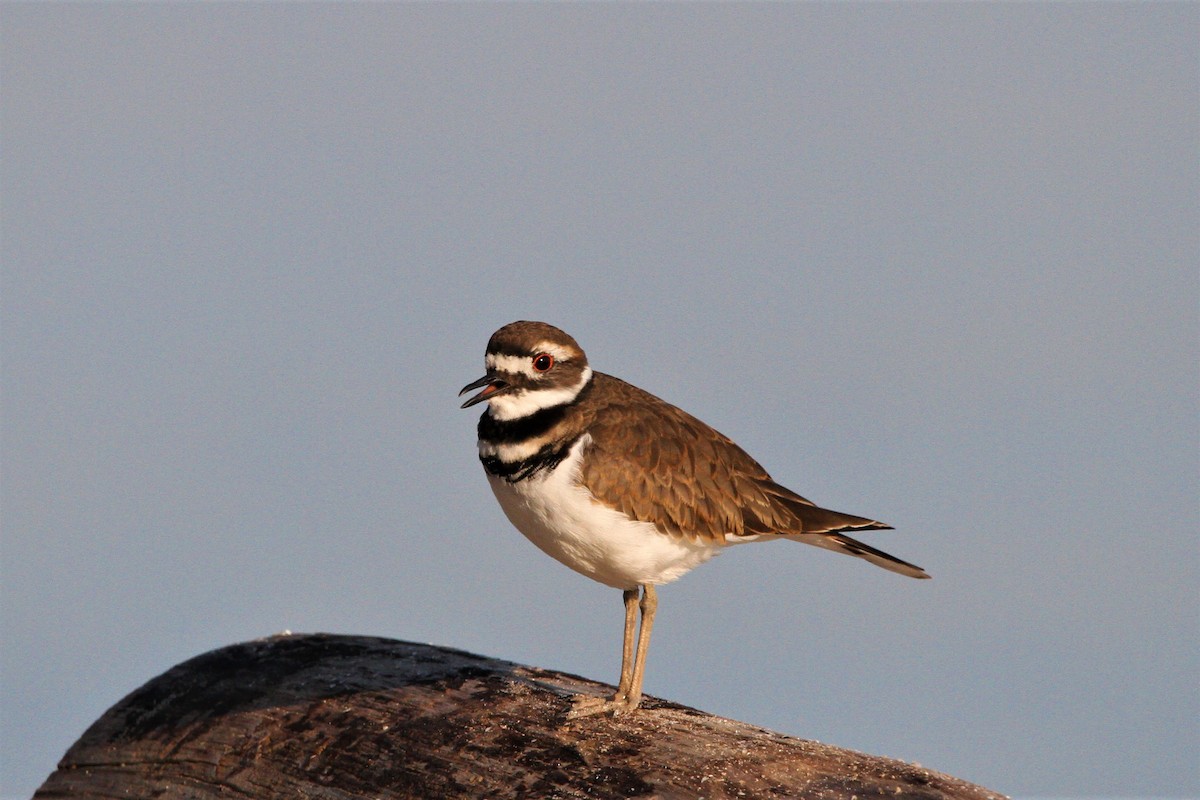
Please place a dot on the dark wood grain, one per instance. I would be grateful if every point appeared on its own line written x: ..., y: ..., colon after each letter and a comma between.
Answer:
x: 321, y: 716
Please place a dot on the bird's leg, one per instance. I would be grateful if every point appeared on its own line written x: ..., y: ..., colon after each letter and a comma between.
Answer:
x: 649, y: 605
x: 586, y: 705
x: 630, y: 596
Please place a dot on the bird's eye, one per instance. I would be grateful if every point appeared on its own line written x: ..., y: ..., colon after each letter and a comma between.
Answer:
x: 542, y: 362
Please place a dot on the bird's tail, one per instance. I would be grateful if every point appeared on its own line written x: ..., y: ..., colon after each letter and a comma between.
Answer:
x: 823, y: 527
x: 841, y: 543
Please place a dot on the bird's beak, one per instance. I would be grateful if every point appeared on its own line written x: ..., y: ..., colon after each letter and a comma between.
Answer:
x: 490, y: 383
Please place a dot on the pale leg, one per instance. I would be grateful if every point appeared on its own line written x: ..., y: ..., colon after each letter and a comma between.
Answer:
x: 630, y: 596
x: 649, y: 606
x: 633, y: 665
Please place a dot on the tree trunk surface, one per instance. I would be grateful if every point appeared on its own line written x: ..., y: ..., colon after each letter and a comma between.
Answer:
x: 340, y: 717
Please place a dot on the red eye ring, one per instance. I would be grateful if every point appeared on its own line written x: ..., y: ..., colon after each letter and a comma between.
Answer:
x: 542, y: 362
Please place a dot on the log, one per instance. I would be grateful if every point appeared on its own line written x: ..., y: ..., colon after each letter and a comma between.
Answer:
x: 341, y: 717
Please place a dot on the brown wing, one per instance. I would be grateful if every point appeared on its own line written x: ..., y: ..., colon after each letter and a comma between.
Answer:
x: 664, y: 466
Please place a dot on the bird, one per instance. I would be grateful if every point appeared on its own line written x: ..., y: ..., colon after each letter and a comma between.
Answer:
x: 626, y: 488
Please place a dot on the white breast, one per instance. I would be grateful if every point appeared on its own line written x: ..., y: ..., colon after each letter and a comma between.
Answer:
x: 562, y: 518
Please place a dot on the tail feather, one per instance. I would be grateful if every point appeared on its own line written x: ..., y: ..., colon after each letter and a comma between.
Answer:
x: 811, y: 518
x: 840, y: 543
x: 823, y: 527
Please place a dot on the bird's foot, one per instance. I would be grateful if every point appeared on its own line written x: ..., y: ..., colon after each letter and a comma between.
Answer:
x: 586, y: 705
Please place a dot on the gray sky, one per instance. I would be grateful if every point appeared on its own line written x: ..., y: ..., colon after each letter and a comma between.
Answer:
x: 934, y: 264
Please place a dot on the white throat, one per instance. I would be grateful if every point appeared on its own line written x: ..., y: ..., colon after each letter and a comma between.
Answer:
x: 523, y: 403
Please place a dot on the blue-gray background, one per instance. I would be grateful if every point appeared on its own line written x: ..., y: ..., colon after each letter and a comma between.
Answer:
x: 935, y: 264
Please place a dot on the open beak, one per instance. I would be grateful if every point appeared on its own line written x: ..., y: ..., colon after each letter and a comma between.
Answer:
x: 491, y: 385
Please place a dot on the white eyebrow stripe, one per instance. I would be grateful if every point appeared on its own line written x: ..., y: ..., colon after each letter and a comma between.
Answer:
x: 559, y: 353
x: 522, y: 364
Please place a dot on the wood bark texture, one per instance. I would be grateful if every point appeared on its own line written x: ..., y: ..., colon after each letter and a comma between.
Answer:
x: 341, y: 717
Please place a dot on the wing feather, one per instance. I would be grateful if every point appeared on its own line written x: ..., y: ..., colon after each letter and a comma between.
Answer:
x: 712, y: 488
x: 664, y: 466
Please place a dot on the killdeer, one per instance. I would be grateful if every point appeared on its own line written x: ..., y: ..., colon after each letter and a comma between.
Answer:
x: 626, y: 488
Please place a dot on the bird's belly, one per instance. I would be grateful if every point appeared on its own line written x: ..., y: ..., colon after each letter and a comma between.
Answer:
x: 563, y: 519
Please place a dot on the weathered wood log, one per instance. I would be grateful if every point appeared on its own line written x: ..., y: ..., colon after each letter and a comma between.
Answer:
x: 340, y: 717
